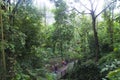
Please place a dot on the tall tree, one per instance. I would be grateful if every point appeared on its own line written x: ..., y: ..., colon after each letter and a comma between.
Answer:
x: 3, y: 63
x: 63, y: 30
x: 92, y: 12
x: 109, y: 19
x: 11, y: 36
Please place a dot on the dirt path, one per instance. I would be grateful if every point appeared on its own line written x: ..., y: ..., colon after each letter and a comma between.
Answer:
x: 63, y: 70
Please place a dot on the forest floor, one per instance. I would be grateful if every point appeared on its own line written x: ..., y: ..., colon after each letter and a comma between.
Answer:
x: 64, y: 69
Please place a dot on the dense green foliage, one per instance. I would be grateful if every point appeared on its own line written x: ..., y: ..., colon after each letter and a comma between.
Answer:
x: 85, y: 71
x: 29, y: 47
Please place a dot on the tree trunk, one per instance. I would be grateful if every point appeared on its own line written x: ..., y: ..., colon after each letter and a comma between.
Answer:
x: 54, y: 45
x: 61, y: 50
x: 110, y: 29
x: 95, y: 37
x: 2, y: 46
x: 111, y: 35
x: 10, y: 59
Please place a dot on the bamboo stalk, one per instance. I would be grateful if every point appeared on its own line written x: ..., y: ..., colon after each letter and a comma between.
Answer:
x: 2, y: 45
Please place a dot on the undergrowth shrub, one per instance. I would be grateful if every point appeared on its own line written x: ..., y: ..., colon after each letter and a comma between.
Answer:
x: 87, y: 70
x: 114, y: 75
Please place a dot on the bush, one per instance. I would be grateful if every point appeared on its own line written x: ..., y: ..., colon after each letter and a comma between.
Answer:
x: 86, y: 71
x: 107, y: 59
x: 21, y: 77
x: 108, y: 69
x: 51, y: 76
x: 114, y: 75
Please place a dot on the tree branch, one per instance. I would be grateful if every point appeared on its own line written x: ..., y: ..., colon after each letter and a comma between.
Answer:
x: 15, y: 8
x: 96, y: 6
x: 79, y: 11
x: 91, y: 3
x: 105, y: 8
x: 84, y: 6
